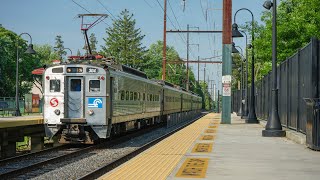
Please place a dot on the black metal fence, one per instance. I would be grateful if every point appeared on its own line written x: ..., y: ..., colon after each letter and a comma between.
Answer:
x: 298, y: 78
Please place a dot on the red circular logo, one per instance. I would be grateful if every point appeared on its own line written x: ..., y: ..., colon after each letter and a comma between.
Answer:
x: 54, y: 102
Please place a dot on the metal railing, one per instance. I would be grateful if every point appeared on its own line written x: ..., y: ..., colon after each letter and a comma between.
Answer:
x: 298, y: 78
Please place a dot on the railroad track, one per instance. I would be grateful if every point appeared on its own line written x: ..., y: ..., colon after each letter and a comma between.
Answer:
x: 108, y: 167
x: 51, y: 161
x: 33, y: 164
x: 30, y: 154
x: 13, y: 167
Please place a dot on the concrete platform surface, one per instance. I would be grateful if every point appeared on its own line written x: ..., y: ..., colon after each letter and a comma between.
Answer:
x: 240, y: 152
x: 209, y: 150
x: 13, y: 121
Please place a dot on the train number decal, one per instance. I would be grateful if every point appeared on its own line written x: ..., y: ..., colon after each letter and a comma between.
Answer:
x: 54, y: 102
x: 95, y: 102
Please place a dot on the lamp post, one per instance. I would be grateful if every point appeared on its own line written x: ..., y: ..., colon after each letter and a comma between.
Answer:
x: 245, y: 108
x: 64, y: 49
x: 29, y: 50
x: 273, y: 127
x: 241, y: 83
x: 235, y: 50
x: 252, y: 117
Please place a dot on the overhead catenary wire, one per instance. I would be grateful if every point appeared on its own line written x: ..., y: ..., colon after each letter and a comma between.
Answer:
x: 203, y: 12
x: 184, y: 41
x: 148, y: 3
x: 106, y: 9
x: 87, y: 10
x: 174, y: 15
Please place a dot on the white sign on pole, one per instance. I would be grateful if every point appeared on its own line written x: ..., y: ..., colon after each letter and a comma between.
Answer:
x: 226, y: 85
x: 226, y: 90
x: 226, y: 79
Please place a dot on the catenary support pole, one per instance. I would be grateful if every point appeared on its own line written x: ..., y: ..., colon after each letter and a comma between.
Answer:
x: 187, y: 88
x: 164, y: 49
x: 218, y: 102
x: 226, y: 62
x: 198, y: 68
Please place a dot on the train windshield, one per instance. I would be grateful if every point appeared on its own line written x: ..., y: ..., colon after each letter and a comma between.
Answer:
x: 75, y: 85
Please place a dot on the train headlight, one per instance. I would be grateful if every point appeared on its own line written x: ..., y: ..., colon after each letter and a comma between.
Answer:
x: 57, y: 112
x: 90, y: 112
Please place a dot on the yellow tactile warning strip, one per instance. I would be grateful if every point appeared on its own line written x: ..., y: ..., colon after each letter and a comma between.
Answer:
x: 158, y: 161
x: 20, y: 122
x: 213, y: 126
x: 207, y: 137
x: 194, y: 168
x: 202, y: 148
x: 210, y: 131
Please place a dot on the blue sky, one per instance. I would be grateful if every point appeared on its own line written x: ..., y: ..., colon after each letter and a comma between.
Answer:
x: 44, y: 19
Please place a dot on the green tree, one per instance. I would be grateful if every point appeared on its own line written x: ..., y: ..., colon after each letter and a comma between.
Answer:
x: 124, y: 41
x: 8, y: 46
x: 297, y: 22
x: 45, y: 54
x: 59, y: 47
x: 175, y: 72
x: 93, y: 43
x: 78, y: 53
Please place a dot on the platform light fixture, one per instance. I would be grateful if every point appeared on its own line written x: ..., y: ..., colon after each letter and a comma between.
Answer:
x: 29, y: 50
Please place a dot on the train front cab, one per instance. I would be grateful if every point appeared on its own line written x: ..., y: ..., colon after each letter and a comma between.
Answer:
x: 76, y: 98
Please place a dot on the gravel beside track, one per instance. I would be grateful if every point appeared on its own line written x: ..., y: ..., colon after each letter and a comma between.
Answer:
x: 90, y: 162
x: 86, y: 163
x: 24, y: 160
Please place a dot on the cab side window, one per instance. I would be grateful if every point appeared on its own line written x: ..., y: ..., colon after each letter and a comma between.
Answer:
x: 94, y: 86
x: 54, y: 85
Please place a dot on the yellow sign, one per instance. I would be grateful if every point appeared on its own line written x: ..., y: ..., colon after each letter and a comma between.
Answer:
x: 202, y: 148
x: 193, y: 168
x: 213, y: 126
x: 207, y: 137
x: 210, y: 131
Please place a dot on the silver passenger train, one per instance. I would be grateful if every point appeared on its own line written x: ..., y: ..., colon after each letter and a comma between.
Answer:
x: 87, y: 102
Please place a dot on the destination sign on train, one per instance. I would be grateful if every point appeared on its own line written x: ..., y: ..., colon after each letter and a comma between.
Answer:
x: 92, y: 70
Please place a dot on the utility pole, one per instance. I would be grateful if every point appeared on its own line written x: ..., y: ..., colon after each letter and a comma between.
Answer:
x: 191, y: 31
x: 226, y: 62
x: 214, y: 93
x: 187, y: 57
x: 198, y: 68
x: 218, y: 103
x: 204, y: 74
x: 164, y: 49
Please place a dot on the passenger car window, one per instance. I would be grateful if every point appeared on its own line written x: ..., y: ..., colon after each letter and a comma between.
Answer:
x: 127, y: 95
x: 135, y: 96
x: 94, y: 86
x: 75, y: 85
x: 54, y: 85
x: 131, y: 96
x: 122, y: 94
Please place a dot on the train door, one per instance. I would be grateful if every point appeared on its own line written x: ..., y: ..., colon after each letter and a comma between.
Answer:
x: 75, y: 97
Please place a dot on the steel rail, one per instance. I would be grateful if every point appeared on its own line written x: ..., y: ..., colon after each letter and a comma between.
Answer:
x: 110, y: 166
x: 27, y: 155
x: 23, y: 171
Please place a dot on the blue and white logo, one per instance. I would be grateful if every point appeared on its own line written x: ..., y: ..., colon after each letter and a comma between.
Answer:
x: 95, y: 102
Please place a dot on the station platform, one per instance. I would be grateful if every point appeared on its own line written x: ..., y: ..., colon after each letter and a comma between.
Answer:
x: 207, y: 149
x: 6, y: 122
